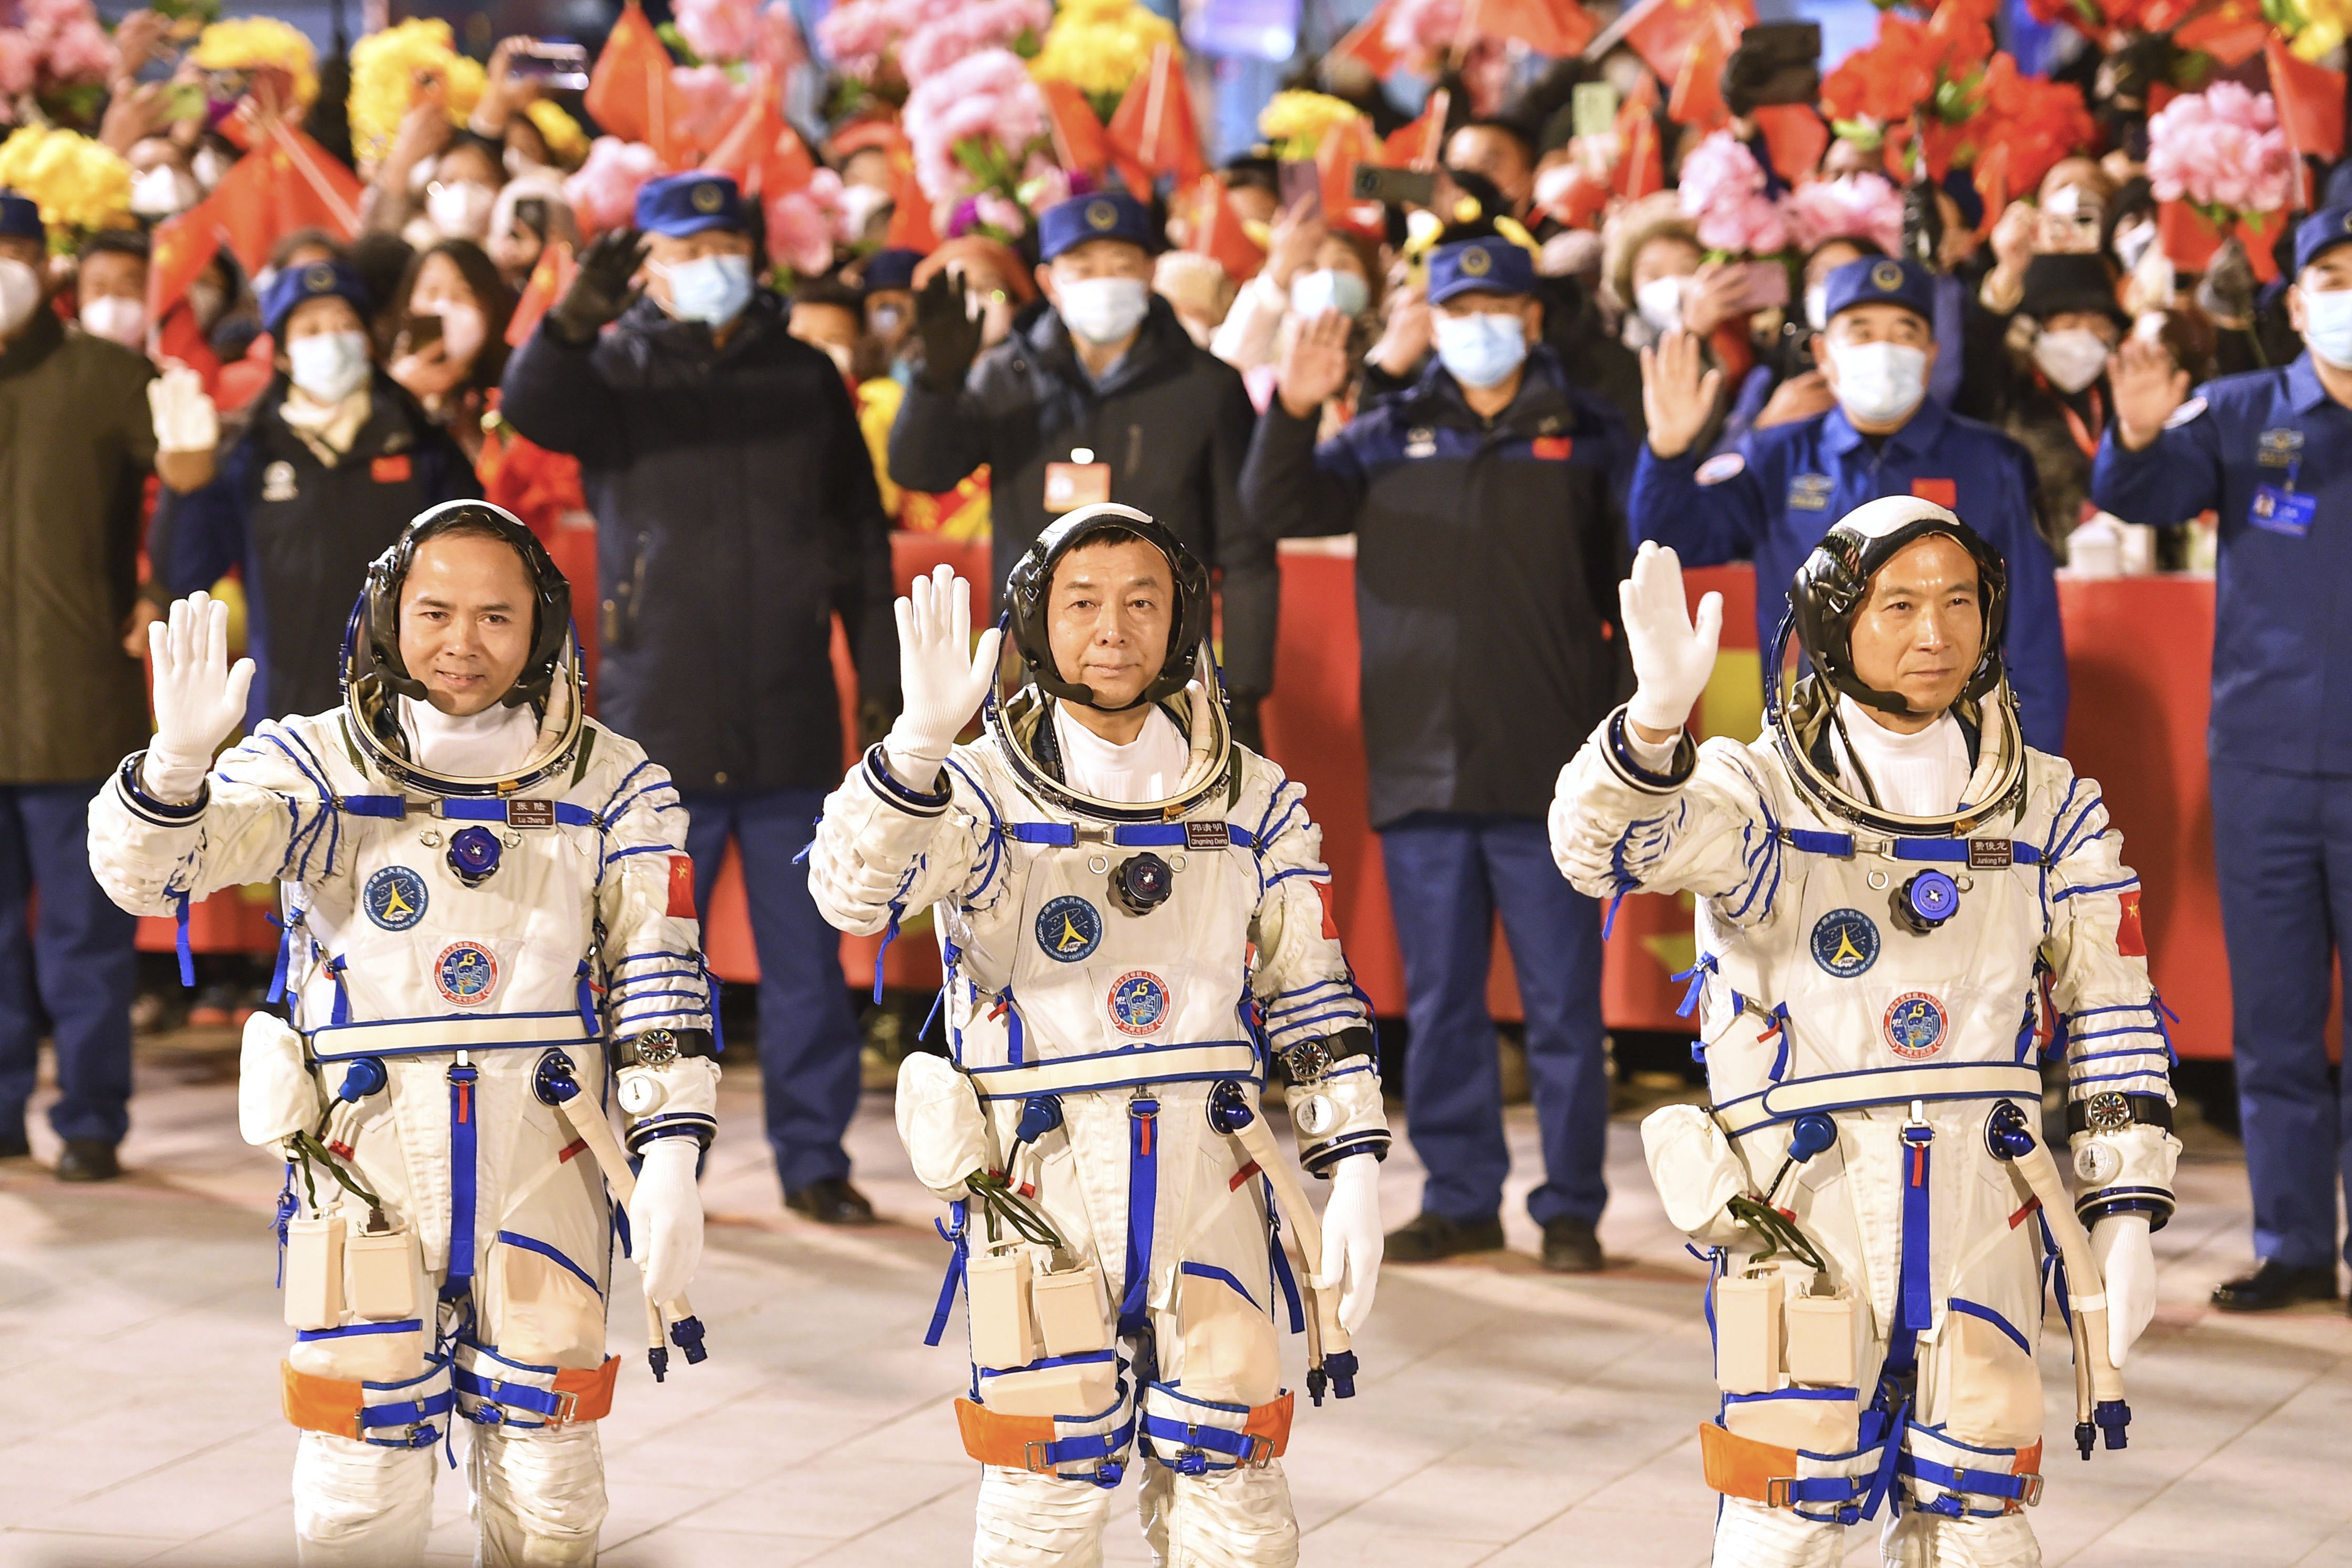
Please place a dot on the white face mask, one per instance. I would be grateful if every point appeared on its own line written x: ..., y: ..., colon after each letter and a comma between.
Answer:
x: 2328, y: 326
x: 208, y: 166
x: 163, y: 191
x: 2072, y: 359
x: 1660, y: 304
x: 1327, y: 289
x: 1104, y: 310
x: 1817, y: 306
x: 20, y: 294
x: 117, y: 319
x: 328, y: 366
x: 460, y: 209
x: 1879, y: 382
x: 462, y: 329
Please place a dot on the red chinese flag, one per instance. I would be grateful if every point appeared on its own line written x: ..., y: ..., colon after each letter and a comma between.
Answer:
x: 911, y: 216
x: 1336, y: 158
x: 787, y: 165
x: 681, y: 888
x: 1697, y: 100
x: 629, y: 91
x: 1080, y: 144
x: 1419, y: 145
x: 1548, y: 26
x: 1641, y: 162
x: 1663, y: 31
x: 2130, y: 940
x: 1368, y: 41
x: 2310, y: 103
x: 2186, y: 236
x: 2232, y: 32
x: 181, y: 248
x: 740, y: 154
x: 1795, y: 136
x: 179, y: 340
x: 1217, y: 233
x: 287, y: 181
x: 1154, y: 124
x: 548, y: 281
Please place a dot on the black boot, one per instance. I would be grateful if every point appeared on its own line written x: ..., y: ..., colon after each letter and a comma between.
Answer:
x: 88, y: 1160
x: 831, y: 1201
x: 1570, y: 1246
x: 2273, y: 1285
x: 1426, y: 1238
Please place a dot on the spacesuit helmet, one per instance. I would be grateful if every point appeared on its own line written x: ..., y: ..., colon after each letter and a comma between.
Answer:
x: 1832, y: 585
x: 1029, y: 591
x: 375, y: 673
x: 1827, y: 595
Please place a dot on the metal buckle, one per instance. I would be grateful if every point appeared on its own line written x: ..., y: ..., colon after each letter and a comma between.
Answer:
x: 1261, y: 1452
x: 2031, y: 1496
x: 1777, y: 1492
x: 567, y: 1401
x: 1034, y: 1456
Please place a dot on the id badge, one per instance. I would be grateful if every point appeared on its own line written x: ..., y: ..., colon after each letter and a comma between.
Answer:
x: 2284, y: 511
x: 1069, y: 486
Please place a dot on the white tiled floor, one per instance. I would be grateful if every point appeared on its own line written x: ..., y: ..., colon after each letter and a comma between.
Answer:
x: 1508, y: 1418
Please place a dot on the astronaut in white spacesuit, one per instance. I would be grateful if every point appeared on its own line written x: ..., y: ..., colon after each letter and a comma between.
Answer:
x: 481, y: 887
x: 1889, y: 884
x: 1131, y: 910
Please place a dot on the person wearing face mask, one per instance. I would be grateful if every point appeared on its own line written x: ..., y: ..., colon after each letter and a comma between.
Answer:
x: 110, y: 288
x: 2270, y: 453
x: 1767, y: 500
x: 2055, y: 399
x: 449, y: 344
x: 1309, y: 268
x: 530, y: 215
x: 78, y: 444
x: 1485, y: 502
x: 1101, y: 396
x: 335, y: 459
x: 889, y: 279
x: 736, y: 514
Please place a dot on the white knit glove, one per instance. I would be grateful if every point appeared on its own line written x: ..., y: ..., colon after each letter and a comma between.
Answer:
x: 2127, y: 1267
x: 666, y: 1218
x: 186, y: 420
x: 1672, y: 658
x: 199, y: 700
x: 1352, y: 1240
x: 941, y: 675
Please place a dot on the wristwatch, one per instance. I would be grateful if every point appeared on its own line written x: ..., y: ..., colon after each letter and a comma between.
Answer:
x: 655, y: 1048
x: 2111, y: 1111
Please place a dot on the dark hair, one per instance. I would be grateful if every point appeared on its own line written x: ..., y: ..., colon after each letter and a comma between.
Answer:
x: 831, y: 290
x: 462, y: 140
x: 1251, y: 170
x: 116, y: 242
x: 1510, y: 128
x: 491, y: 292
x: 380, y: 259
x: 301, y: 238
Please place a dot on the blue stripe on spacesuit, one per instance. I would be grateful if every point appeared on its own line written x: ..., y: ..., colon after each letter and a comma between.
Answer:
x: 995, y: 833
x: 1211, y: 1271
x: 1143, y: 1206
x: 1975, y: 1310
x: 608, y: 812
x: 327, y: 819
x: 2065, y: 893
x: 532, y: 1244
x: 462, y: 1148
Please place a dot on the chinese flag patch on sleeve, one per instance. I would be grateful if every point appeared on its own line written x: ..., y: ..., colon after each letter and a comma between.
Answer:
x: 681, y: 888
x: 2129, y: 940
x: 1323, y: 891
x: 1554, y: 448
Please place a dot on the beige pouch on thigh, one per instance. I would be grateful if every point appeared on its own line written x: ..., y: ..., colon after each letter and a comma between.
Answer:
x: 1817, y: 1420
x: 1231, y: 1353
x: 541, y: 1312
x: 1991, y: 1390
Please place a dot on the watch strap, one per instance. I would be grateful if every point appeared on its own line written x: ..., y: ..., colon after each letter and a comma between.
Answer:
x: 690, y: 1043
x: 2148, y: 1110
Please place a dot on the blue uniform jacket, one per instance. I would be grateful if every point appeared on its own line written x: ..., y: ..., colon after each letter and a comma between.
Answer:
x: 2283, y: 610
x: 1773, y: 500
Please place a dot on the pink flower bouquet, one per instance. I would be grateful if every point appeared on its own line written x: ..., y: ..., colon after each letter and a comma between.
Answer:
x: 2222, y: 152
x: 803, y: 224
x: 1851, y: 207
x: 603, y: 193
x: 1723, y: 190
x: 973, y: 125
x: 718, y: 31
x: 967, y: 30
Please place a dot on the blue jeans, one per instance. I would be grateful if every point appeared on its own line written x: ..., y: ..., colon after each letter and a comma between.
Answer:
x: 809, y: 1039
x: 2282, y: 850
x: 76, y: 966
x: 1448, y: 873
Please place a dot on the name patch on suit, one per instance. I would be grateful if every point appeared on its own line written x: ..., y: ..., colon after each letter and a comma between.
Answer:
x: 1809, y: 492
x: 1069, y: 929
x: 1208, y: 835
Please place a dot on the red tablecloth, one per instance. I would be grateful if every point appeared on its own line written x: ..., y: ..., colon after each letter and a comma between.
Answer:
x: 2139, y: 650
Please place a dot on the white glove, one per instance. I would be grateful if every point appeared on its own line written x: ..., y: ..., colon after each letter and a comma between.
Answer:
x: 940, y: 674
x: 2127, y: 1265
x: 666, y: 1218
x: 184, y: 418
x: 199, y: 700
x: 1672, y: 658
x: 1351, y: 1237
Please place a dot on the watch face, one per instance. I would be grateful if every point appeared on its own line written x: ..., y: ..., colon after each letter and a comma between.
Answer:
x: 2108, y: 1112
x: 657, y: 1047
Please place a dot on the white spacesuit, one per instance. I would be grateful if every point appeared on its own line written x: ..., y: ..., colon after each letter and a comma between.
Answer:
x: 473, y: 906
x: 1882, y: 917
x: 1132, y: 932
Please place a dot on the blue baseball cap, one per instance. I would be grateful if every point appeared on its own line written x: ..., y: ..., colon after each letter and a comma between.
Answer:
x: 1489, y: 263
x: 1105, y: 215
x: 1882, y: 281
x: 312, y: 280
x: 2320, y: 233
x: 891, y: 269
x: 20, y: 218
x: 680, y: 205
